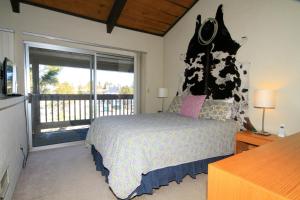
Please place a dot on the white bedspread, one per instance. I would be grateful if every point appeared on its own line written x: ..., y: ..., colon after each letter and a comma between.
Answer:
x: 134, y: 145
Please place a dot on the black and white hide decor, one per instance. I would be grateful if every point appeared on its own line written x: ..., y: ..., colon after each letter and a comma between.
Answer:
x: 212, y: 68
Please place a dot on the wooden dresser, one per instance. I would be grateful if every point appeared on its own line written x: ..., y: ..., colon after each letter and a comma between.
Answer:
x: 269, y: 172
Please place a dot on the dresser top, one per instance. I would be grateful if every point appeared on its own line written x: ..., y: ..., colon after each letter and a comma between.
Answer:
x: 274, y: 166
x: 7, y: 102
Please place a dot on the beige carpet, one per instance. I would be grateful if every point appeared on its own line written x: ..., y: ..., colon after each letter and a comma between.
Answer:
x: 69, y: 173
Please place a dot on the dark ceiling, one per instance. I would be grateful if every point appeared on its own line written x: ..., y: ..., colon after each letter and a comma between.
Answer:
x: 156, y: 17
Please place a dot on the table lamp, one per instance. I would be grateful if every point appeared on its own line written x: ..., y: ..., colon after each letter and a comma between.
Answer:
x: 162, y: 93
x: 264, y: 99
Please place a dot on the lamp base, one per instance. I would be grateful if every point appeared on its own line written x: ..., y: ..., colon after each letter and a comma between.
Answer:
x: 262, y: 133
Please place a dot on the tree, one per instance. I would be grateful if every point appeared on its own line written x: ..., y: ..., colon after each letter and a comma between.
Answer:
x: 126, y: 90
x: 48, y: 78
x: 84, y: 89
x: 64, y: 88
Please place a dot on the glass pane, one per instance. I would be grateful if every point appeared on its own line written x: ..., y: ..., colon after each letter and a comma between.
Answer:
x: 115, y: 85
x: 61, y: 95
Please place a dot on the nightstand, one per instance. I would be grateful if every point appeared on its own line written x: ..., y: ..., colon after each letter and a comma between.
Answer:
x: 246, y: 140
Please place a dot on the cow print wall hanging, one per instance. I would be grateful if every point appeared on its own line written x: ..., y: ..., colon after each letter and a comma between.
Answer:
x: 212, y: 68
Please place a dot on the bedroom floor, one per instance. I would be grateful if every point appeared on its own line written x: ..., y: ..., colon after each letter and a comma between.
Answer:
x: 69, y: 173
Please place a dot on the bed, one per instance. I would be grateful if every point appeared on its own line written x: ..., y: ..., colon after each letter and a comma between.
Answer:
x: 140, y: 152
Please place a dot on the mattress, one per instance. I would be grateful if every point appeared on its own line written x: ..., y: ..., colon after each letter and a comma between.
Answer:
x: 135, y: 145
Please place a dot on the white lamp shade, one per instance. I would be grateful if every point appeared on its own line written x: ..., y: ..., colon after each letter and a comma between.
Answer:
x: 264, y: 99
x: 162, y: 92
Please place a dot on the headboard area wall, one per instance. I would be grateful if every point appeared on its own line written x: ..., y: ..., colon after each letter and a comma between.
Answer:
x: 212, y: 68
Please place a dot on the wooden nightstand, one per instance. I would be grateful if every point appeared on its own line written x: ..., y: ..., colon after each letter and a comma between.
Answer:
x: 246, y: 140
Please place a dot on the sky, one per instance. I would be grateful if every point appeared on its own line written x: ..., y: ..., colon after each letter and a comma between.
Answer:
x: 80, y: 76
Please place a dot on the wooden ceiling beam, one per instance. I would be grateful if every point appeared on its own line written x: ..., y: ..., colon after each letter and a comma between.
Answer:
x: 15, y: 5
x: 115, y: 14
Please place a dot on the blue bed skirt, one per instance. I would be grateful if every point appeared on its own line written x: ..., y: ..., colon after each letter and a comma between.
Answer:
x: 160, y: 177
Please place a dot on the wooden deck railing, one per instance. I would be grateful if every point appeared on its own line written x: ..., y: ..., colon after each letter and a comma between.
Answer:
x: 62, y: 110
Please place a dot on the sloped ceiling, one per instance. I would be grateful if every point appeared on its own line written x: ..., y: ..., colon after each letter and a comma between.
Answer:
x: 156, y: 17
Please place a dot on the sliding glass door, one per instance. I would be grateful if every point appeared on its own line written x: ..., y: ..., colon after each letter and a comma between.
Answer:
x: 69, y: 87
x: 60, y: 95
x: 114, y: 85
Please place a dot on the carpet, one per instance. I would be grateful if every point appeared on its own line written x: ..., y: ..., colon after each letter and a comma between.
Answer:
x: 69, y: 173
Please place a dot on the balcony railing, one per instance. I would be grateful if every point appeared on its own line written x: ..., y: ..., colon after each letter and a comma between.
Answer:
x: 62, y: 110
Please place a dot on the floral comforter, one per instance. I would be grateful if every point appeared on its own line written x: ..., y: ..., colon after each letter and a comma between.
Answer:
x: 135, y: 145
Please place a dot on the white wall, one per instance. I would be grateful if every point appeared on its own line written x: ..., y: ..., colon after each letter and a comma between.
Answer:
x: 12, y: 124
x: 6, y: 45
x: 12, y: 137
x: 272, y: 28
x: 38, y: 20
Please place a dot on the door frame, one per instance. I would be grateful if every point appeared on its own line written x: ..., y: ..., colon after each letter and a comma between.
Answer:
x: 93, y: 78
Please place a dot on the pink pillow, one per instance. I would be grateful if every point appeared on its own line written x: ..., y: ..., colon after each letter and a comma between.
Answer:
x: 191, y: 105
